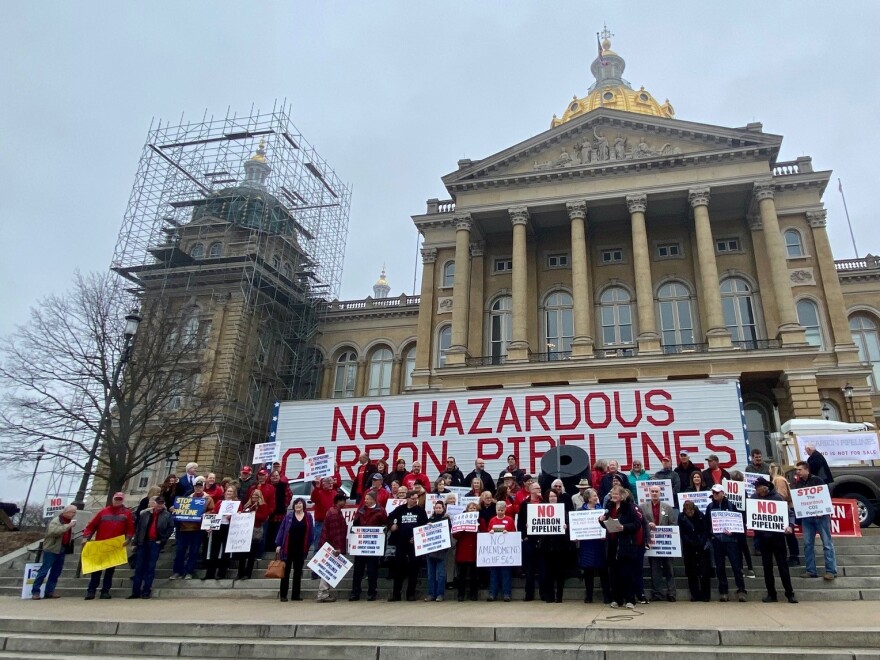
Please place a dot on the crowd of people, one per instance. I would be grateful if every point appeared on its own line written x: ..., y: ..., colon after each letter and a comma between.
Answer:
x: 294, y: 528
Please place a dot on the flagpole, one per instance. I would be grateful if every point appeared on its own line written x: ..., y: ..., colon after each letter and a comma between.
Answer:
x: 846, y: 210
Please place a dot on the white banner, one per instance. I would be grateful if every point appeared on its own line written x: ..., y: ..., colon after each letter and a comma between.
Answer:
x: 812, y: 501
x: 329, y: 567
x: 430, y: 498
x: 228, y: 507
x: 53, y: 506
x: 431, y: 537
x: 766, y: 515
x: 241, y: 531
x: 665, y: 541
x: 751, y: 478
x: 318, y: 466
x: 727, y: 521
x: 393, y: 503
x: 30, y: 574
x: 466, y: 522
x: 842, y: 448
x: 736, y: 492
x: 468, y: 500
x: 499, y: 549
x: 267, y: 452
x: 613, y: 421
x: 545, y: 519
x: 366, y: 541
x: 667, y: 496
x: 211, y: 521
x: 453, y: 510
x: 460, y: 491
x: 584, y: 525
x: 700, y: 498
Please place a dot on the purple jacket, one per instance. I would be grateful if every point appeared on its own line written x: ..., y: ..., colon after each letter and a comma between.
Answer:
x: 283, y: 536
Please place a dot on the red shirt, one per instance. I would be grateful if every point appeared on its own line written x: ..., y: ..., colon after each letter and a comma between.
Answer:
x: 153, y: 534
x: 655, y: 510
x: 421, y: 477
x: 110, y: 522
x: 323, y: 500
x: 506, y: 522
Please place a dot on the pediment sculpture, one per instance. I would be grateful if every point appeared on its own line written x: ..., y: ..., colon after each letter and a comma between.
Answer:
x: 601, y: 150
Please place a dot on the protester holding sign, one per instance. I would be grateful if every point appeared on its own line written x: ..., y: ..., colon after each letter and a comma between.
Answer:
x: 466, y: 558
x: 658, y: 513
x: 334, y: 533
x: 695, y: 530
x: 218, y: 559
x: 725, y: 546
x: 772, y: 540
x: 256, y: 505
x: 812, y: 524
x: 110, y: 522
x: 500, y: 576
x: 189, y: 532
x: 532, y: 562
x: 437, y: 560
x: 406, y: 565
x: 56, y: 545
x: 292, y: 543
x: 556, y: 551
x: 369, y: 514
x: 592, y: 555
x: 154, y: 528
x: 624, y: 531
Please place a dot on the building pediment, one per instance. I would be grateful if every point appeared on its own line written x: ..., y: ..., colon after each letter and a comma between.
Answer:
x: 609, y: 141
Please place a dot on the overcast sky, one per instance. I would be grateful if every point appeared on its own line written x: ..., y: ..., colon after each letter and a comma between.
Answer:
x: 392, y: 94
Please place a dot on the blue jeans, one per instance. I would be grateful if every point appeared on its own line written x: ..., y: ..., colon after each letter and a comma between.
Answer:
x: 187, y: 551
x: 499, y: 574
x: 436, y: 576
x: 728, y: 550
x: 53, y: 562
x: 145, y: 568
x: 810, y: 526
x: 318, y: 527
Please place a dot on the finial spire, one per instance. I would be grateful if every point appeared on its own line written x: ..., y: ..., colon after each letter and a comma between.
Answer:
x: 606, y: 33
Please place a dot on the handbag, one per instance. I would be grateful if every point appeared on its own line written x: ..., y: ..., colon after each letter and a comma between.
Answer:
x: 275, y: 569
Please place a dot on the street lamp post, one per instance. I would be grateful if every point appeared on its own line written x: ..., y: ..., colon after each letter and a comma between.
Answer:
x: 132, y: 320
x: 27, y: 497
x: 848, y: 395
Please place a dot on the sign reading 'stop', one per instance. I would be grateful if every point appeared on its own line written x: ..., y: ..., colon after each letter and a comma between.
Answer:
x: 622, y: 421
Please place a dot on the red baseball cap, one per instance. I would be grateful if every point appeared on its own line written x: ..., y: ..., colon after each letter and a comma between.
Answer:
x: 246, y: 470
x: 262, y: 473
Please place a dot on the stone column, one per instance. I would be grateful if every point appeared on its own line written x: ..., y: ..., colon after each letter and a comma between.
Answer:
x: 360, y: 379
x: 789, y: 331
x: 395, y: 375
x: 843, y: 342
x: 762, y: 269
x: 476, y: 318
x: 582, y: 344
x: 424, y: 332
x: 327, y: 382
x: 803, y: 395
x: 458, y: 352
x: 717, y: 335
x: 518, y: 350
x: 648, y: 339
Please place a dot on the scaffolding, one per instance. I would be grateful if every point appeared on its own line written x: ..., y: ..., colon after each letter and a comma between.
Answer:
x: 244, y: 209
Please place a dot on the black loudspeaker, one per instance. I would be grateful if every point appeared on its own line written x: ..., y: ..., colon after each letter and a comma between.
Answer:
x: 569, y: 463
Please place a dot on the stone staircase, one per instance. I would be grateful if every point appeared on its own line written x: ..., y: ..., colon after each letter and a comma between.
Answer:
x: 858, y: 579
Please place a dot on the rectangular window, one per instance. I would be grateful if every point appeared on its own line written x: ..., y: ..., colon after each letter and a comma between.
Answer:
x: 143, y: 482
x: 613, y: 256
x: 503, y: 265
x: 727, y: 245
x: 668, y: 250
x: 557, y: 260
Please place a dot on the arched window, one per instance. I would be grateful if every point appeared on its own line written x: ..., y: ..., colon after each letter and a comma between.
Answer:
x: 409, y: 365
x: 758, y: 429
x: 739, y: 310
x: 865, y: 336
x: 830, y: 411
x: 616, y: 316
x: 559, y: 324
x: 191, y: 327
x: 794, y: 246
x: 216, y: 249
x: 197, y: 251
x: 448, y: 273
x: 500, y: 328
x: 346, y: 375
x: 380, y: 373
x: 808, y: 317
x: 676, y: 319
x: 444, y: 341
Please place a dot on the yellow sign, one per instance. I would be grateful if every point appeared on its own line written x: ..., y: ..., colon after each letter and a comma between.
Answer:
x: 98, y: 555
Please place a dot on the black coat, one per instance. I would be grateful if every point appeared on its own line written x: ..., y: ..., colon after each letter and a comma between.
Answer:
x: 608, y: 481
x: 622, y: 544
x: 819, y: 467
x: 694, y: 531
x: 485, y: 477
x: 457, y: 478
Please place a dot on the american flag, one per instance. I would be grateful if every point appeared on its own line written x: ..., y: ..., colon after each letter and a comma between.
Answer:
x: 602, y: 60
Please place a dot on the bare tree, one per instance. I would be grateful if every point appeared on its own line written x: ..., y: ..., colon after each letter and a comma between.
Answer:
x: 57, y: 373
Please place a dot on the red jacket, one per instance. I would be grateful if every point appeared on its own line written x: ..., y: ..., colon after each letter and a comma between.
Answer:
x: 334, y: 531
x: 411, y: 478
x: 323, y: 500
x: 268, y: 491
x: 382, y: 496
x: 466, y: 548
x: 263, y: 512
x: 110, y: 522
x: 506, y: 522
x: 375, y: 517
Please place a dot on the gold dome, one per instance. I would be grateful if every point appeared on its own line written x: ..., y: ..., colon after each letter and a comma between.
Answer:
x: 611, y: 91
x: 382, y: 281
x: 260, y: 155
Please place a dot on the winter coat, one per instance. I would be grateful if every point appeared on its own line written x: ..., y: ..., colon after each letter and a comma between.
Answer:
x: 709, y: 481
x: 623, y: 544
x: 282, y: 539
x: 262, y: 512
x: 323, y: 501
x: 633, y: 479
x: 668, y: 515
x: 466, y: 548
x: 164, y: 527
x: 457, y: 477
x: 485, y: 477
x: 672, y: 476
x: 367, y: 517
x: 819, y: 467
x: 608, y: 481
x: 110, y: 522
x: 55, y: 532
x: 684, y: 473
x: 694, y: 531
x: 591, y: 553
x: 335, y: 530
x: 776, y: 497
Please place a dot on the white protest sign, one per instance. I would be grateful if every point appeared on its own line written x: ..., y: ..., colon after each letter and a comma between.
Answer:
x: 267, y: 452
x: 499, y: 549
x: 467, y: 500
x: 460, y: 491
x: 211, y: 521
x: 700, y: 498
x: 751, y: 478
x: 736, y: 492
x: 53, y: 506
x: 584, y: 525
x: 241, y: 531
x: 727, y: 521
x: 842, y: 448
x: 318, y: 466
x: 665, y: 541
x: 330, y: 567
x: 453, y: 510
x: 545, y: 519
x: 766, y: 515
x: 643, y: 489
x: 228, y: 507
x: 431, y: 498
x: 393, y: 503
x: 366, y: 541
x: 431, y: 537
x: 466, y: 522
x: 812, y: 501
x: 30, y: 574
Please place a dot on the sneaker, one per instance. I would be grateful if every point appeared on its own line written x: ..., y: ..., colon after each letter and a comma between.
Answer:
x: 507, y: 599
x: 614, y: 604
x: 769, y: 599
x: 643, y: 600
x: 188, y: 577
x: 630, y: 606
x: 724, y: 598
x: 438, y: 599
x: 105, y: 595
x: 429, y: 599
x: 751, y: 574
x: 827, y: 576
x: 175, y: 576
x: 36, y: 597
x: 791, y: 599
x: 807, y: 574
x: 490, y: 599
x: 741, y: 596
x: 89, y: 596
